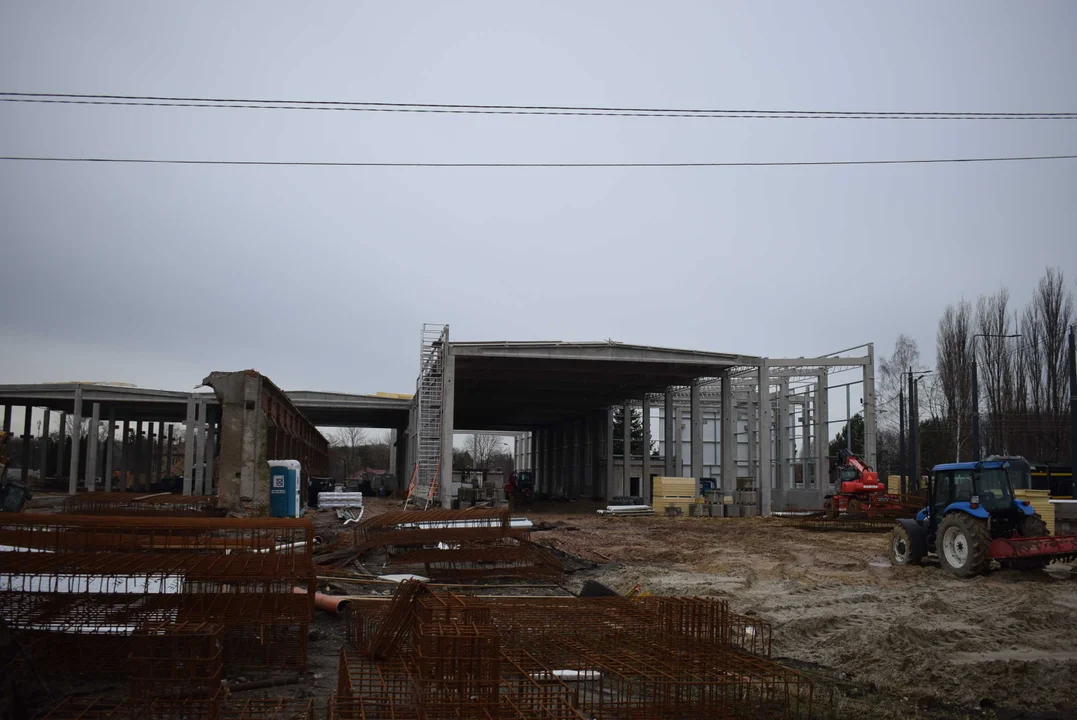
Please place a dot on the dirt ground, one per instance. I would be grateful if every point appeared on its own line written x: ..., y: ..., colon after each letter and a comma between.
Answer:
x: 888, y: 642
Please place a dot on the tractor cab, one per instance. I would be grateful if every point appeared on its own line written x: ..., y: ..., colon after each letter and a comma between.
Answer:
x: 983, y: 490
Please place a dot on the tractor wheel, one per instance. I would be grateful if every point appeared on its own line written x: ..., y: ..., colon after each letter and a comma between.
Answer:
x: 905, y: 549
x: 1030, y: 526
x: 855, y: 506
x: 831, y: 507
x: 963, y: 545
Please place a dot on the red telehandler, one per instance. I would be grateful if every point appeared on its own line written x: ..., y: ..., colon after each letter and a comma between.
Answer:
x: 859, y: 491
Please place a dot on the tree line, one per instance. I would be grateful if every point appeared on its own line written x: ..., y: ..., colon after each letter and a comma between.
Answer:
x: 1021, y: 361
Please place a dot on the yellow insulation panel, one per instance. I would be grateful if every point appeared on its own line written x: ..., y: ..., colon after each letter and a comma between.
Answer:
x: 1041, y: 503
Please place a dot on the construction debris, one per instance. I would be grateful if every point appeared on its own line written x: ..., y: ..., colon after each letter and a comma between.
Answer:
x: 627, y: 510
x: 340, y: 499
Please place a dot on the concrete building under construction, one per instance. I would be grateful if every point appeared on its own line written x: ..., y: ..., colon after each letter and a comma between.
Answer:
x: 742, y: 420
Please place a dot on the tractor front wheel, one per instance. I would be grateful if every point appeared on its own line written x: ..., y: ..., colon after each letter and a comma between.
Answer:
x: 963, y: 545
x: 1030, y: 526
x: 830, y: 505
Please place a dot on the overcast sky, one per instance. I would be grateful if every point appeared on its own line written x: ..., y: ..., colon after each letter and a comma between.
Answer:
x: 321, y: 277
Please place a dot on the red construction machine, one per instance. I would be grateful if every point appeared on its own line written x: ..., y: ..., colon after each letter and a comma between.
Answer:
x: 859, y: 491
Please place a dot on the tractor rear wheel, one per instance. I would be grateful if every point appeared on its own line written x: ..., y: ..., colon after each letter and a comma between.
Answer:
x: 963, y: 545
x: 904, y: 548
x: 830, y: 505
x: 1030, y: 526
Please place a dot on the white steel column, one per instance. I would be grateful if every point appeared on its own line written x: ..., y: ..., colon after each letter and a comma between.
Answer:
x: 448, y: 406
x: 76, y: 438
x: 91, y: 448
x: 764, y: 438
x: 728, y: 428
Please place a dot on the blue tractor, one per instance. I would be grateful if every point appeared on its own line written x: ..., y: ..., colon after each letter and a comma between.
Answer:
x: 973, y: 517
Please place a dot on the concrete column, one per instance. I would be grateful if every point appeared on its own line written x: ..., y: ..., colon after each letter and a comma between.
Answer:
x: 577, y: 473
x: 170, y: 432
x: 626, y: 434
x: 678, y: 444
x: 199, y: 451
x: 783, y: 479
x: 110, y: 448
x: 76, y: 439
x: 7, y: 418
x: 822, y: 432
x: 151, y: 453
x: 870, y: 410
x: 188, y: 448
x: 60, y: 446
x: 805, y: 412
x: 609, y: 486
x: 667, y: 433
x: 125, y: 453
x: 27, y: 431
x: 645, y: 479
x: 765, y: 480
x: 728, y: 430
x: 587, y: 488
x: 159, y: 451
x: 45, y: 444
x: 211, y: 453
x: 753, y: 429
x: 91, y: 448
x: 392, y: 451
x: 697, y: 430
x: 448, y: 408
x: 136, y: 457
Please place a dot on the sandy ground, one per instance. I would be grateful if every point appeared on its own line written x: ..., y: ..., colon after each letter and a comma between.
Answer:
x: 888, y: 642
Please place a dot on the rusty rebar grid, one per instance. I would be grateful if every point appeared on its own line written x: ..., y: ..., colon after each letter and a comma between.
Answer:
x: 89, y: 707
x: 474, y: 561
x: 267, y: 709
x: 141, y: 504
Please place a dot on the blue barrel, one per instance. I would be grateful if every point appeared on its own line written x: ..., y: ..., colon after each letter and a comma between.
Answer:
x: 284, y: 488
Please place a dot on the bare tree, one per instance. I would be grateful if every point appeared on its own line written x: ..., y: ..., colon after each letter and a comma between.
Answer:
x: 481, y: 446
x: 1053, y: 309
x: 953, y: 368
x: 346, y: 444
x: 994, y: 355
x: 891, y: 379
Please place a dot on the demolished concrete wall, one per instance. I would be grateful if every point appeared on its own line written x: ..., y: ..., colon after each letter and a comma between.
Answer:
x: 243, y: 471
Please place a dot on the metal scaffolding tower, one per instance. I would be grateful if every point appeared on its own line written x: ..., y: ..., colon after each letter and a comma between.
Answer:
x: 429, y: 405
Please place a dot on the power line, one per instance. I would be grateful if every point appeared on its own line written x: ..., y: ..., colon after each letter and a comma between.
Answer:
x: 466, y: 109
x: 506, y: 165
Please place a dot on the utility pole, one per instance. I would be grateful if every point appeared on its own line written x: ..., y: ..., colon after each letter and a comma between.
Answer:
x: 914, y: 474
x: 1073, y: 401
x: 901, y: 440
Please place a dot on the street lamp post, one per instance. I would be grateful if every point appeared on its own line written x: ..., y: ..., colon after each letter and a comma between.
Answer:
x: 976, y: 395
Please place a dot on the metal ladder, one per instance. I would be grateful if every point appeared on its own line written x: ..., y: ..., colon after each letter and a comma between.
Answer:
x: 424, y: 485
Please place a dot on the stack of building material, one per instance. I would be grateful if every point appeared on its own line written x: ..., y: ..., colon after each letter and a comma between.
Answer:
x: 675, y: 492
x: 564, y: 657
x: 627, y: 510
x: 1041, y: 503
x: 340, y: 500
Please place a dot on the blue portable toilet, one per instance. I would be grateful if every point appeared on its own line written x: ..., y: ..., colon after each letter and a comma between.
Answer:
x: 284, y: 488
